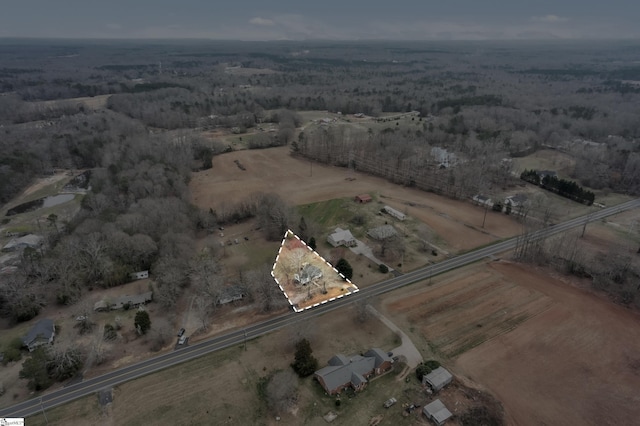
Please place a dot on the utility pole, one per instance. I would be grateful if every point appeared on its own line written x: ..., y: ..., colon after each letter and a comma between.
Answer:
x: 245, y: 339
x: 486, y: 207
x: 43, y: 413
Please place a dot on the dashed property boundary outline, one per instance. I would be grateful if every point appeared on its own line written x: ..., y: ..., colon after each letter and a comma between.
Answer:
x: 294, y: 307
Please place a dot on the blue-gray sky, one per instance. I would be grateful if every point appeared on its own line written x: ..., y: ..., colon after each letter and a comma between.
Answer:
x: 326, y: 19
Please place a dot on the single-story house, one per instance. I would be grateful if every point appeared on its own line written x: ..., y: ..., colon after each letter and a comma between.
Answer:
x: 342, y: 237
x: 120, y: 302
x: 31, y: 240
x: 363, y: 198
x: 437, y: 379
x: 231, y: 294
x: 395, y: 213
x: 343, y: 372
x: 437, y: 412
x: 307, y: 274
x: 481, y: 200
x: 140, y: 275
x: 382, y: 232
x: 517, y: 200
x: 42, y: 333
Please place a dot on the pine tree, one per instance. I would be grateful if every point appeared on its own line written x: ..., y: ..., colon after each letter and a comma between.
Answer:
x: 142, y: 322
x: 344, y: 268
x: 304, y: 364
x: 312, y: 243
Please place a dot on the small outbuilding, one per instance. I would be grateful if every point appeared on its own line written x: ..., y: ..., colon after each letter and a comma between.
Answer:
x: 139, y: 275
x: 437, y: 379
x: 437, y: 412
x: 395, y: 213
x: 363, y: 198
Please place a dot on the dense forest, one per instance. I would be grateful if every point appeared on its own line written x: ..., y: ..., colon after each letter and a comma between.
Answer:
x: 482, y: 102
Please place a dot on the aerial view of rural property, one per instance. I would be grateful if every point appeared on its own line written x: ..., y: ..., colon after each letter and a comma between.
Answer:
x: 334, y: 213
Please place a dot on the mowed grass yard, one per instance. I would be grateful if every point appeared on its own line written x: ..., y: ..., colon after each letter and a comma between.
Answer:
x: 222, y: 388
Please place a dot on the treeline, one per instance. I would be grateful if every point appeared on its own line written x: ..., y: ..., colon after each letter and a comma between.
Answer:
x: 566, y: 188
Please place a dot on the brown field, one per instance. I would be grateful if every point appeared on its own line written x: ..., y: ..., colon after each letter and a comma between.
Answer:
x: 94, y: 103
x: 550, y: 351
x: 274, y: 170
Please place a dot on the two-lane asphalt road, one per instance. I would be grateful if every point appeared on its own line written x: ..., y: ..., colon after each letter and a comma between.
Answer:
x: 72, y: 392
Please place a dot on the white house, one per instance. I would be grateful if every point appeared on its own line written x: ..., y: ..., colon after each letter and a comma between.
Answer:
x: 342, y: 237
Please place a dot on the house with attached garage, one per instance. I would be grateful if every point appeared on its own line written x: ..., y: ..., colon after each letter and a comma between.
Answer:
x: 352, y: 372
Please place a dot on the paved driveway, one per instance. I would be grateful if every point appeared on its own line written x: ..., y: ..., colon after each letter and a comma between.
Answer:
x: 407, y: 348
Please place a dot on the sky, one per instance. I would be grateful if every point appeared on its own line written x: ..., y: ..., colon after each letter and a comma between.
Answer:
x: 326, y: 19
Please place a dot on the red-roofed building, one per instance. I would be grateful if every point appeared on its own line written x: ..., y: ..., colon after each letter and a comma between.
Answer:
x: 363, y: 198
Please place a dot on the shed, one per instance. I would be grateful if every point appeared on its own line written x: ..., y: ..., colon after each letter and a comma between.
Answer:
x: 437, y: 412
x: 363, y: 198
x: 139, y: 275
x: 437, y: 379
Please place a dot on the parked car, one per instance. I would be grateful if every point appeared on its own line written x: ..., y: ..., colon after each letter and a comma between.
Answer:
x: 389, y: 402
x: 182, y: 340
x: 181, y: 332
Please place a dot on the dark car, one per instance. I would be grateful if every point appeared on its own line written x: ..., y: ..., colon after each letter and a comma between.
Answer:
x: 181, y: 332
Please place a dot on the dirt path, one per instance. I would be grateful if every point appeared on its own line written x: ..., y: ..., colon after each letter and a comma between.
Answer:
x: 407, y: 348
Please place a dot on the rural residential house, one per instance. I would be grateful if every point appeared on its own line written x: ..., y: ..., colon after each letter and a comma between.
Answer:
x: 342, y: 237
x: 353, y: 372
x: 231, y: 294
x: 437, y: 412
x: 437, y: 379
x: 308, y: 273
x: 517, y: 200
x: 395, y: 213
x: 363, y: 198
x: 16, y: 244
x: 40, y: 334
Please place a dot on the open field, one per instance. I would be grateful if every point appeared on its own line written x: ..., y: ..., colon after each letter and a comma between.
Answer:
x: 90, y: 102
x: 552, y: 352
x: 458, y: 223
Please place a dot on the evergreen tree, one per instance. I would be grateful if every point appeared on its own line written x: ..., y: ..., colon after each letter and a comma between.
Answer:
x: 142, y: 322
x: 312, y: 243
x: 344, y: 268
x: 34, y: 369
x: 304, y: 364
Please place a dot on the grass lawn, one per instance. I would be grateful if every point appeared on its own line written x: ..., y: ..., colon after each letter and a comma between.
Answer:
x: 328, y: 213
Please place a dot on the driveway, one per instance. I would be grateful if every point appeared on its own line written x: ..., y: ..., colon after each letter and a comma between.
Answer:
x: 364, y: 250
x: 407, y: 348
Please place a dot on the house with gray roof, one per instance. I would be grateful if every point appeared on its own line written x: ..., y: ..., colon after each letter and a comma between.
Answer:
x: 42, y: 333
x: 344, y: 372
x: 307, y: 274
x: 31, y: 240
x: 231, y: 294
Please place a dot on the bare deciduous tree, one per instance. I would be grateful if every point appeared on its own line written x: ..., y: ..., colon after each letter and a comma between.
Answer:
x: 282, y: 391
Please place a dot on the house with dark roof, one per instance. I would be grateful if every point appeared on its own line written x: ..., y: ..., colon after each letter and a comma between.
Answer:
x: 40, y: 334
x: 231, y: 294
x: 352, y: 372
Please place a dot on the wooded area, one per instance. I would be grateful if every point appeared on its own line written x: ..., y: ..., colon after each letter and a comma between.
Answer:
x: 476, y: 104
